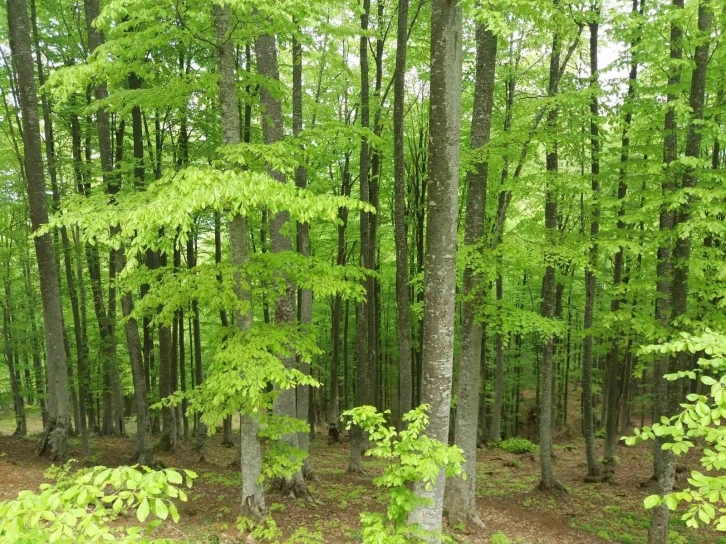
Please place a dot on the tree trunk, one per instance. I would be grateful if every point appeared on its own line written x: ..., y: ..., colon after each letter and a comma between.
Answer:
x: 461, y: 495
x: 253, y: 495
x: 21, y: 425
x: 546, y: 367
x: 55, y: 431
x: 362, y: 375
x: 593, y: 467
x: 496, y: 428
x: 305, y: 296
x: 405, y: 379
x: 664, y: 461
x: 285, y: 311
x: 440, y: 262
x: 668, y: 404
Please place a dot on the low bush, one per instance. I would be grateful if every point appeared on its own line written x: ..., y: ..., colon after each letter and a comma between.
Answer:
x: 516, y: 445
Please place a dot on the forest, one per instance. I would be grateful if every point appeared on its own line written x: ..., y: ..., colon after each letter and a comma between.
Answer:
x: 378, y: 271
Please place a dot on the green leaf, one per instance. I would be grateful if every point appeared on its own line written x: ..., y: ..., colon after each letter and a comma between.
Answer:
x: 143, y: 511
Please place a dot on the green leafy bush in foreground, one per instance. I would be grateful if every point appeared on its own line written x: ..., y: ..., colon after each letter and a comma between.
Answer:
x: 79, y: 506
x: 412, y: 457
x: 702, y: 418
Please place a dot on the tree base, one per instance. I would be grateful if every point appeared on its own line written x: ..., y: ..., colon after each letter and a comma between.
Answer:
x: 355, y: 468
x: 293, y: 488
x: 596, y: 478
x: 166, y: 444
x: 54, y: 439
x: 553, y: 486
x: 466, y: 521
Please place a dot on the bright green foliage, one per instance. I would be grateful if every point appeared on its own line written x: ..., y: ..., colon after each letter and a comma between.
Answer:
x: 79, y: 506
x: 412, y: 457
x: 702, y: 419
x: 516, y: 445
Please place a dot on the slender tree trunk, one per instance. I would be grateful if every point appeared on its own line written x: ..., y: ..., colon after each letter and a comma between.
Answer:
x: 440, y: 262
x: 664, y: 461
x: 593, y: 467
x: 362, y: 375
x: 305, y: 296
x: 253, y: 495
x: 405, y: 379
x: 496, y: 428
x: 333, y: 413
x: 21, y: 425
x: 546, y: 368
x: 285, y: 307
x: 55, y: 431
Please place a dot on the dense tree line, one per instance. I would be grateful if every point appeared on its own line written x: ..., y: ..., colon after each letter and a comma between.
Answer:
x: 262, y: 214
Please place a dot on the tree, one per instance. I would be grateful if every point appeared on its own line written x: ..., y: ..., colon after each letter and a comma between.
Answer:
x: 461, y: 495
x: 440, y: 263
x: 55, y: 430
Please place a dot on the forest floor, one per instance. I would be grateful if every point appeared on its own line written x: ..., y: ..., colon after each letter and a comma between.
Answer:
x: 512, y: 510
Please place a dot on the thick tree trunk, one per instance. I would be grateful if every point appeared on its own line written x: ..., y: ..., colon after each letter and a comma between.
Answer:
x: 55, y: 431
x: 668, y: 395
x: 80, y: 341
x: 253, y: 495
x: 461, y: 495
x: 440, y: 262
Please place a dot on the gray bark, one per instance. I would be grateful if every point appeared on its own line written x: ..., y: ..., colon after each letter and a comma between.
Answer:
x: 253, y: 495
x: 461, y: 495
x: 593, y: 467
x: 677, y: 267
x: 305, y: 296
x: 440, y: 259
x: 363, y: 386
x: 55, y: 431
x: 405, y: 377
x: 546, y: 373
x: 285, y: 306
x: 664, y: 461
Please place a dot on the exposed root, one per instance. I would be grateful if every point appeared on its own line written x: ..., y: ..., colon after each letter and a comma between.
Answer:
x: 356, y: 468
x: 468, y: 522
x: 553, y: 486
x: 596, y: 478
x: 54, y: 439
x: 294, y: 488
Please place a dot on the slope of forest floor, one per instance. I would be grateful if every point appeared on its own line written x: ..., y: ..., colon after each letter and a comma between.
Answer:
x: 513, y: 511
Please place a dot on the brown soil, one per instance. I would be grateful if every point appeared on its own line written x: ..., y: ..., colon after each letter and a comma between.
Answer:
x: 508, y: 502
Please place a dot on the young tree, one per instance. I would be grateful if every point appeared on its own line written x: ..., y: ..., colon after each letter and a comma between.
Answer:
x: 253, y: 495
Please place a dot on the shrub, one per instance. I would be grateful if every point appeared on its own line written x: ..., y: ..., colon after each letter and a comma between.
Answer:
x: 412, y: 457
x: 499, y: 538
x: 78, y: 507
x: 516, y: 445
